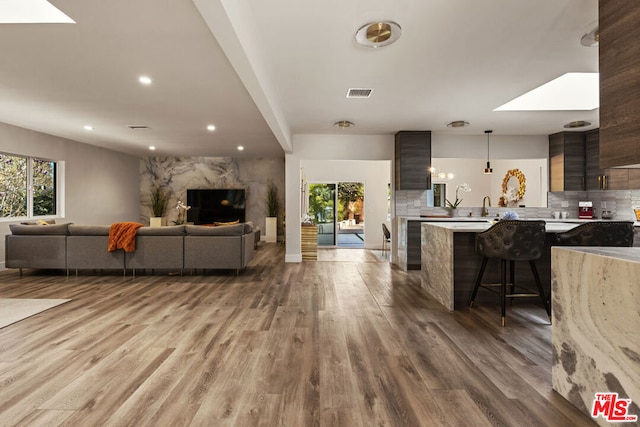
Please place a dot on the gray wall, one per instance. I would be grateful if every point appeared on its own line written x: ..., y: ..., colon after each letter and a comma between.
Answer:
x: 99, y: 187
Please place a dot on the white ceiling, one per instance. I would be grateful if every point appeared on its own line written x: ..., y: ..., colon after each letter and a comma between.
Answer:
x: 262, y: 71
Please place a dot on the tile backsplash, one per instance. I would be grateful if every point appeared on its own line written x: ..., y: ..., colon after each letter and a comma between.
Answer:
x: 619, y: 202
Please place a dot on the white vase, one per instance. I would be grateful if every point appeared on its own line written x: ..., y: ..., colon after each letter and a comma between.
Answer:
x: 155, y: 221
x: 271, y: 229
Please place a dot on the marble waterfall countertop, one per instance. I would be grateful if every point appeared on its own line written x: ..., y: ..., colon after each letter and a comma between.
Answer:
x: 596, y: 324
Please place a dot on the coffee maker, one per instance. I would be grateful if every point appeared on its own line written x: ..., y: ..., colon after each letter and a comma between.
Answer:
x: 585, y: 210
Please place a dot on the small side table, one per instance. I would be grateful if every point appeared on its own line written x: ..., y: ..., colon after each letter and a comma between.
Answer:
x: 309, y: 242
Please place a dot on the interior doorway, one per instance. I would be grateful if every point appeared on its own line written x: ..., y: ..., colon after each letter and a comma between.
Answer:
x: 338, y: 210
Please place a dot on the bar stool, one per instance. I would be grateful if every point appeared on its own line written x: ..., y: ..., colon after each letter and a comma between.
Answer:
x: 511, y: 241
x: 386, y: 239
x: 598, y: 233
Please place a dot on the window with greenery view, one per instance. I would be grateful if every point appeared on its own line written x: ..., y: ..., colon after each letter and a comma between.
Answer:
x: 27, y: 186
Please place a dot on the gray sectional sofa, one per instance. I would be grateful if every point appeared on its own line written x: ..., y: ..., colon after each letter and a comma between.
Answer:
x: 78, y: 247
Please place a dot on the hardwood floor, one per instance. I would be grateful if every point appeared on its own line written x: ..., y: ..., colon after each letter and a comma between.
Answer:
x: 327, y: 343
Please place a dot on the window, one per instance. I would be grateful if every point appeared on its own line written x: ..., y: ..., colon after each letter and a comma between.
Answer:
x: 27, y: 187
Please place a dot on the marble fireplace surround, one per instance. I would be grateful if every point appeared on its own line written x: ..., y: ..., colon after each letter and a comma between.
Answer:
x: 177, y: 174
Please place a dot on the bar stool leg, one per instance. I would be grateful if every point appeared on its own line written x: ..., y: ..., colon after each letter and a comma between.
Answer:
x: 483, y: 266
x: 543, y: 297
x: 512, y: 278
x: 503, y: 288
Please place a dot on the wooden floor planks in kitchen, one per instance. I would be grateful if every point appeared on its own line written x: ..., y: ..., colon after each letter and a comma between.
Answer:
x: 346, y: 341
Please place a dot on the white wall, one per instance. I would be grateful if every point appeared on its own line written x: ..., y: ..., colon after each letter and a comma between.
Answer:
x: 381, y: 147
x: 500, y: 146
x: 100, y: 186
x: 376, y: 176
x: 470, y: 171
x: 325, y: 148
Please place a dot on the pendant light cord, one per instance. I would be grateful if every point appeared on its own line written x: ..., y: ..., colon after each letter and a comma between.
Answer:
x: 488, y: 169
x: 488, y: 132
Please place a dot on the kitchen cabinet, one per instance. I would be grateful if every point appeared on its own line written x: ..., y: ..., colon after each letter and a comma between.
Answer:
x: 594, y: 175
x: 606, y: 179
x: 567, y: 161
x: 413, y: 160
x: 619, y: 62
x: 634, y: 179
x: 566, y: 173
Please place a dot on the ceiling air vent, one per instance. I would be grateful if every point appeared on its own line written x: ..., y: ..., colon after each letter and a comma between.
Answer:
x: 135, y: 127
x: 359, y: 93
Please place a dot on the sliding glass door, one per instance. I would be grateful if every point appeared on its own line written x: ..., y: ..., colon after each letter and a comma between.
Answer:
x: 322, y: 208
x: 338, y: 210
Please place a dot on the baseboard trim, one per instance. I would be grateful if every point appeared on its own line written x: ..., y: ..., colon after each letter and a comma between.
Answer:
x: 293, y: 258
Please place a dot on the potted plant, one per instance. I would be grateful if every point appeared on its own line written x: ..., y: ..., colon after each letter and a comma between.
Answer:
x: 159, y: 201
x: 271, y: 226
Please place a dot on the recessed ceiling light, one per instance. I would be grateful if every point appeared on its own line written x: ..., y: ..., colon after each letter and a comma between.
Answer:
x: 211, y: 128
x: 378, y: 34
x: 145, y: 80
x: 31, y: 12
x: 88, y: 127
x: 240, y: 148
x: 457, y: 124
x: 569, y: 92
x: 343, y: 124
x: 152, y: 147
x: 577, y: 124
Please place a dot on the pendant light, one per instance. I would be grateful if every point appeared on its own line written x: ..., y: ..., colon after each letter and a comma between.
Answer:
x: 488, y: 169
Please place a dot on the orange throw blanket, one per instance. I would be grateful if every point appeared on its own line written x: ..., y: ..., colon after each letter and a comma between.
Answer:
x: 122, y: 235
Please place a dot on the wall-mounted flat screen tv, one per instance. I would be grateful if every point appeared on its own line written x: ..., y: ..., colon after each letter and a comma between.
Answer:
x: 216, y: 205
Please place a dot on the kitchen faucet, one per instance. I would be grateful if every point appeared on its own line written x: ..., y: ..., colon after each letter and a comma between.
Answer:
x: 485, y: 211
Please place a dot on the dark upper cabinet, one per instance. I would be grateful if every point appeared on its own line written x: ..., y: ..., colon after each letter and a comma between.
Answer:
x: 567, y: 161
x: 595, y: 177
x: 413, y: 160
x: 619, y: 60
x: 566, y: 175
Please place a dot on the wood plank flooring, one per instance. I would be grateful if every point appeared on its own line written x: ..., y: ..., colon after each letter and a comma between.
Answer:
x: 346, y: 341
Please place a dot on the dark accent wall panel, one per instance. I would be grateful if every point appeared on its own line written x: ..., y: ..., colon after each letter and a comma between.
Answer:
x: 413, y: 160
x: 619, y: 83
x: 414, y: 245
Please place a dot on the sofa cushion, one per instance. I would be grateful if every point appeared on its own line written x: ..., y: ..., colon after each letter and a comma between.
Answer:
x: 49, y: 230
x: 88, y: 230
x: 172, y: 230
x: 226, y: 230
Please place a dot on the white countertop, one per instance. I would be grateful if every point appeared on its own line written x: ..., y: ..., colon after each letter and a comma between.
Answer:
x: 479, y: 219
x: 474, y: 227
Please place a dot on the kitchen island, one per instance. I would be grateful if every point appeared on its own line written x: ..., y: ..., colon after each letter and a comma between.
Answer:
x: 450, y: 265
x: 408, y: 244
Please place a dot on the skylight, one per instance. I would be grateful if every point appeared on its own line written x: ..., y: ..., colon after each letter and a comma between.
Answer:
x: 31, y: 12
x: 571, y: 91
